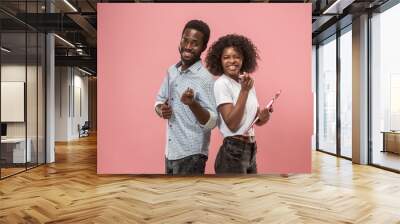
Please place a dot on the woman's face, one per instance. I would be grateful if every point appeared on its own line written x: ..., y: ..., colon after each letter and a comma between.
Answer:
x: 231, y: 61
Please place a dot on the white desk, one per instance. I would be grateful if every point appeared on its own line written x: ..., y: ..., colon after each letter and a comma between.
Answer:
x: 18, y: 149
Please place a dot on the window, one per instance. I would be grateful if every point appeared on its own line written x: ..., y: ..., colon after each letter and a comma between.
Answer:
x: 385, y: 88
x: 22, y: 64
x: 346, y: 75
x: 327, y: 95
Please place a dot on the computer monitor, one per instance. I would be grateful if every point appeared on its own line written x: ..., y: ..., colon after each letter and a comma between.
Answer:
x: 3, y: 129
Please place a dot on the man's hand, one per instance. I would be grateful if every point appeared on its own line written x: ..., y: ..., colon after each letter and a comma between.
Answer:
x: 188, y: 97
x: 164, y: 110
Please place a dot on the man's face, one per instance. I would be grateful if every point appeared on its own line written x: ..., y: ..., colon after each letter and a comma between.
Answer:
x: 191, y: 46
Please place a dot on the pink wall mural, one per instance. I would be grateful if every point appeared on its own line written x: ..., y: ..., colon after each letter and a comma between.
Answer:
x: 138, y: 42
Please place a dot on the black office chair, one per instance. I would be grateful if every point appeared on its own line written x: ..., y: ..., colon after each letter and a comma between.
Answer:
x: 84, y: 130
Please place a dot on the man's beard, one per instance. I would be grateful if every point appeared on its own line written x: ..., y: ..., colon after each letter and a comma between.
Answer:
x: 194, y: 59
x: 190, y: 61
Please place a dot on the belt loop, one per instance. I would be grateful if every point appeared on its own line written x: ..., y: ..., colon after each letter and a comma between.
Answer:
x: 252, y: 139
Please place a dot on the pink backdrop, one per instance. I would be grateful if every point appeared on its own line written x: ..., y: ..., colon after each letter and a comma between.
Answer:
x: 138, y: 42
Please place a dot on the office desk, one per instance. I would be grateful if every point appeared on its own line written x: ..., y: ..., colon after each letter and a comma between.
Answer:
x: 13, y: 150
x: 391, y: 141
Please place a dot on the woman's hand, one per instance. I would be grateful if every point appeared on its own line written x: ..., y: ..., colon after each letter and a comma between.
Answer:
x: 265, y: 114
x: 246, y: 82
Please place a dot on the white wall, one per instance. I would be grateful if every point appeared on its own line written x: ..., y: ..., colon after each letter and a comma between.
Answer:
x: 12, y: 73
x: 71, y: 93
x: 81, y: 102
x: 62, y: 82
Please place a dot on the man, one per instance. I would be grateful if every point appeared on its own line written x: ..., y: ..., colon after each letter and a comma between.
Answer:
x: 186, y: 100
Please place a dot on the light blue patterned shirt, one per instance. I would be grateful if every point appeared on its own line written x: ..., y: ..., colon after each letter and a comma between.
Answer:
x: 185, y: 135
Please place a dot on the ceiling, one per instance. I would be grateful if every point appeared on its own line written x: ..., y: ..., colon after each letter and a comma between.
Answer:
x: 76, y: 22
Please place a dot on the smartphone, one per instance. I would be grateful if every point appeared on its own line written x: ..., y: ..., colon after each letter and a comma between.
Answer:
x: 277, y: 94
x: 269, y: 105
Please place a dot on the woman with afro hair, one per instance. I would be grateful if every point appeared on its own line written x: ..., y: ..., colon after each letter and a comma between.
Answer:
x: 232, y: 58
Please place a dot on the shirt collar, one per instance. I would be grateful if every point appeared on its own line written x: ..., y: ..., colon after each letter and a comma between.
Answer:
x: 230, y: 79
x: 193, y: 68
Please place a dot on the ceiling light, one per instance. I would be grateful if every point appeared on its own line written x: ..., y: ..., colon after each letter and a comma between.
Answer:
x: 338, y: 6
x: 70, y: 5
x: 64, y: 40
x: 84, y: 71
x: 5, y: 50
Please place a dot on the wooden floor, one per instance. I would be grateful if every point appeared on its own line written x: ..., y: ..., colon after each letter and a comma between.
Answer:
x: 5, y: 172
x: 387, y: 159
x: 70, y: 191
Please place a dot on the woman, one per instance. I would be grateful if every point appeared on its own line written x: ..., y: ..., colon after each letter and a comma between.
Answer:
x: 231, y: 57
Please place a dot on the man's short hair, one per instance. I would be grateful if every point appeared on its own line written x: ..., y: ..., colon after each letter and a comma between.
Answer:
x: 199, y: 26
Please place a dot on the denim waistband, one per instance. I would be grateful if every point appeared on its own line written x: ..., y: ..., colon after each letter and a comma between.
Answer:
x: 234, y: 141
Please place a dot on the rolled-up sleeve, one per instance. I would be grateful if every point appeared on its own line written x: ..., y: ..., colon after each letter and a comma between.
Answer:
x: 162, y: 94
x: 212, y: 121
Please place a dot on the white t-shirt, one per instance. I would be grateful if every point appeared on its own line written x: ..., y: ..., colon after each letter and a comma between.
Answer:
x: 226, y: 90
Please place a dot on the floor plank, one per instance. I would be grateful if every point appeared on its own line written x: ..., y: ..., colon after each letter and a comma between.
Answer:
x: 70, y: 191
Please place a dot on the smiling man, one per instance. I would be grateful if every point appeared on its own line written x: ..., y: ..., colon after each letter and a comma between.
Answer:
x: 186, y: 101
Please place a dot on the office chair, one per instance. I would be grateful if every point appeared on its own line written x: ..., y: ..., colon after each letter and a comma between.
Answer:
x: 84, y: 130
